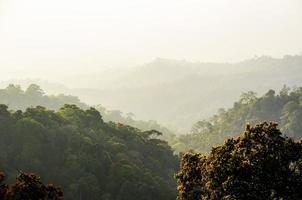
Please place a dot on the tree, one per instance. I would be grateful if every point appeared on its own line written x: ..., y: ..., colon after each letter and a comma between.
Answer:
x: 34, y: 90
x: 12, y: 90
x: 259, y: 164
x: 152, y: 133
x: 285, y: 90
x: 28, y: 186
x: 248, y: 97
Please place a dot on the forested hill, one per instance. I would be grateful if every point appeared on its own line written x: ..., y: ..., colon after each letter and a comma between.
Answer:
x: 88, y: 158
x: 177, y: 93
x: 18, y: 99
x: 285, y: 108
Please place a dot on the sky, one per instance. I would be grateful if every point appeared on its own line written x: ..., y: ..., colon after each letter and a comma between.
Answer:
x: 58, y: 38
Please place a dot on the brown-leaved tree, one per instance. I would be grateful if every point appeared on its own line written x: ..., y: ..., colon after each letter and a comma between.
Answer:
x: 259, y: 164
x: 28, y: 186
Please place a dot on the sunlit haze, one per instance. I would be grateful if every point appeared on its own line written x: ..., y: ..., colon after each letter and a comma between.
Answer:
x: 150, y: 99
x: 60, y: 38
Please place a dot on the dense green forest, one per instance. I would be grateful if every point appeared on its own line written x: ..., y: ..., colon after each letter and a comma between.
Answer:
x: 88, y: 158
x: 260, y: 164
x: 285, y: 108
x: 81, y: 149
x: 18, y: 99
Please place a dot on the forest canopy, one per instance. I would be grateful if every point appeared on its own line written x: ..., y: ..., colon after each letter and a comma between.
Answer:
x: 81, y: 150
x: 284, y: 107
x: 17, y: 98
x: 87, y: 157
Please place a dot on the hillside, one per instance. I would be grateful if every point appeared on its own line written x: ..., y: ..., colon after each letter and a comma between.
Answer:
x: 18, y: 99
x: 284, y: 107
x: 177, y: 93
x: 88, y: 158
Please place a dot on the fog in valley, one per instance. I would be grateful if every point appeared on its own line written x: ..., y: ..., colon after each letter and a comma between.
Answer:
x: 161, y: 76
x: 169, y: 61
x: 178, y: 93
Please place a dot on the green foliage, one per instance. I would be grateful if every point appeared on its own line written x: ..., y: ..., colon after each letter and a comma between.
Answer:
x: 17, y: 99
x: 284, y: 108
x: 89, y: 158
x: 260, y: 164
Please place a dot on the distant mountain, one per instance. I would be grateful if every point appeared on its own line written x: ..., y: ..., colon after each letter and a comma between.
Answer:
x: 178, y: 93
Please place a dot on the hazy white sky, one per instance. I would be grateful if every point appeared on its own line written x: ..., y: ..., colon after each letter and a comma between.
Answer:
x: 40, y: 38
